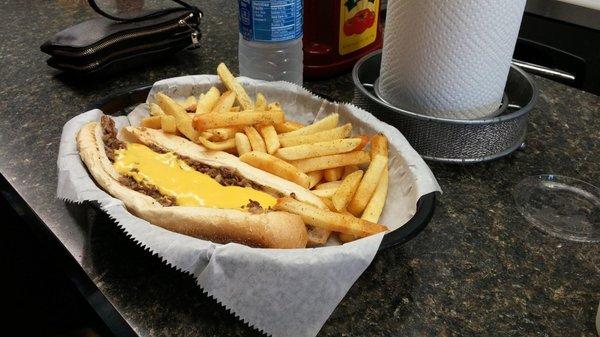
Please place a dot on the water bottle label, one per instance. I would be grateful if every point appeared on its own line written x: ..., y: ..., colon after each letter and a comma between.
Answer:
x: 270, y: 20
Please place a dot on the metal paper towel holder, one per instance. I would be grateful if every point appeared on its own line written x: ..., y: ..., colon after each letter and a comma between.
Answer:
x: 447, y: 140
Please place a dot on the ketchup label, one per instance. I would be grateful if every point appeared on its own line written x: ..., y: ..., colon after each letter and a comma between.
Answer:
x: 358, y: 24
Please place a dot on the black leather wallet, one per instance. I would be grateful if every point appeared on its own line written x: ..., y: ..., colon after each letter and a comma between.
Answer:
x: 112, y: 43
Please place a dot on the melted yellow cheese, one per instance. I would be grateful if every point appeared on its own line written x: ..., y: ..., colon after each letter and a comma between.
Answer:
x: 173, y: 177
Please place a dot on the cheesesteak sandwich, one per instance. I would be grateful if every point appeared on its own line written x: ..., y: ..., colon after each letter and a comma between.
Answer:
x: 176, y: 184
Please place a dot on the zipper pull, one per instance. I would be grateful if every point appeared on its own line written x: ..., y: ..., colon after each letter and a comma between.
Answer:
x: 195, y: 33
x: 195, y: 40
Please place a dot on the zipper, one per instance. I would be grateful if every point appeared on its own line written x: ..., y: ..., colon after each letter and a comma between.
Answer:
x: 116, y: 39
x: 97, y: 63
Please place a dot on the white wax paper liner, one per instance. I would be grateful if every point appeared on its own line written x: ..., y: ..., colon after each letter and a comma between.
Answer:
x: 280, y: 292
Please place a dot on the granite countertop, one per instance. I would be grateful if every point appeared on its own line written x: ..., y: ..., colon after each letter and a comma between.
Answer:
x: 479, y: 268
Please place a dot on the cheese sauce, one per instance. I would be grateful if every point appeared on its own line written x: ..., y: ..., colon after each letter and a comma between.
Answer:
x: 173, y: 177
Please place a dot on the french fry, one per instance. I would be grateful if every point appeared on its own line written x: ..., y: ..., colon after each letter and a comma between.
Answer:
x: 328, y: 220
x: 184, y: 122
x: 242, y: 143
x: 322, y: 136
x: 318, y: 149
x: 333, y: 174
x: 207, y: 134
x: 152, y: 122
x: 346, y: 191
x: 274, y: 106
x: 317, y: 236
x: 324, y: 193
x: 232, y: 84
x: 168, y: 124
x: 276, y: 166
x: 287, y: 126
x: 155, y: 110
x: 269, y: 135
x: 379, y: 145
x: 221, y: 134
x: 364, y: 141
x: 189, y: 104
x: 224, y: 103
x: 217, y: 146
x: 335, y: 160
x: 375, y: 205
x: 315, y: 178
x: 261, y: 102
x: 349, y: 169
x: 329, y: 204
x: 206, y: 103
x: 347, y: 237
x: 367, y: 185
x: 256, y: 141
x: 223, y: 119
x: 329, y: 184
x: 235, y: 109
x: 326, y: 123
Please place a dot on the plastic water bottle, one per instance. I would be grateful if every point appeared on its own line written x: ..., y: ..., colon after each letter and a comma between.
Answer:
x: 270, y: 45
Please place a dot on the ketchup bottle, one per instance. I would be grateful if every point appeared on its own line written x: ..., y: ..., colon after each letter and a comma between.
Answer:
x: 337, y: 33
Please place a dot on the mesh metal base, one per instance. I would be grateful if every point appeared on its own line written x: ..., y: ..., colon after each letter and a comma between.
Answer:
x: 446, y: 140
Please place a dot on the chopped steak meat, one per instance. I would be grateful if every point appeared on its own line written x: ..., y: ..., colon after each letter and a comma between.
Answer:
x: 254, y: 207
x: 109, y: 137
x: 148, y: 190
x: 225, y: 176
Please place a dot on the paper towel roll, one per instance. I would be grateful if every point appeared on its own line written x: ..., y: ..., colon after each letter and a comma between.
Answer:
x: 448, y: 58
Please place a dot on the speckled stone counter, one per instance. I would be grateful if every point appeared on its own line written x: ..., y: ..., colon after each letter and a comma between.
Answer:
x: 478, y: 269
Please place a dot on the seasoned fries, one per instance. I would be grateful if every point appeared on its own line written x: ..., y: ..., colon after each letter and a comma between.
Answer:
x: 155, y: 110
x: 349, y: 173
x: 152, y: 122
x: 189, y: 104
x: 318, y: 149
x: 232, y: 84
x: 168, y: 124
x: 326, y: 123
x: 274, y: 106
x: 261, y: 102
x: 225, y: 119
x: 276, y: 166
x: 375, y: 205
x: 379, y: 146
x: 269, y: 135
x: 367, y: 185
x: 333, y: 174
x: 346, y: 191
x: 217, y: 146
x: 208, y: 101
x: 325, y: 193
x: 242, y: 143
x: 330, y: 184
x: 256, y: 141
x: 287, y: 126
x: 349, y: 169
x: 329, y: 220
x: 329, y: 204
x: 336, y: 160
x: 221, y: 134
x: 184, y: 122
x: 315, y: 178
x: 224, y: 103
x: 322, y: 136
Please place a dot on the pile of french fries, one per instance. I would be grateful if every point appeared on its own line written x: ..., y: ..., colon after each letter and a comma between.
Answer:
x: 322, y: 156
